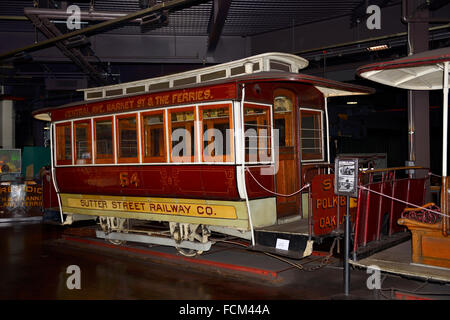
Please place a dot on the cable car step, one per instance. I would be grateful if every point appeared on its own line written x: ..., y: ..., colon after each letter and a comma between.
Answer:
x: 295, y: 246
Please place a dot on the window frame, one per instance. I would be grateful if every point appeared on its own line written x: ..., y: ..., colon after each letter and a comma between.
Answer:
x: 287, y: 116
x: 183, y: 159
x: 268, y: 108
x: 63, y: 162
x: 98, y: 160
x: 120, y: 159
x: 312, y: 157
x: 158, y: 159
x: 78, y: 161
x: 225, y: 158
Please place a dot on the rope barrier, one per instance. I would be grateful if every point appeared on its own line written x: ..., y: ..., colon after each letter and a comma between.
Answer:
x: 404, y: 202
x: 433, y: 174
x: 275, y: 193
x: 361, y: 187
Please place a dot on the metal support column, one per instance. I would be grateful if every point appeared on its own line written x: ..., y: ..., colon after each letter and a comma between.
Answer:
x: 7, y: 124
x: 415, y: 14
x: 347, y: 249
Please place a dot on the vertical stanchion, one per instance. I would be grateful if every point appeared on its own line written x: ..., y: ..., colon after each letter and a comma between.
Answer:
x: 346, y: 179
x: 347, y: 248
x: 444, y: 192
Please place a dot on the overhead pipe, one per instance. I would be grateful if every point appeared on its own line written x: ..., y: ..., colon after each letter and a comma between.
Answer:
x: 84, y: 15
x: 50, y: 30
x: 103, y: 26
x: 13, y: 18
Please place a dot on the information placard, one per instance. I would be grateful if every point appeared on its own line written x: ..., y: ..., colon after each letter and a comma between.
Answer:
x: 346, y: 177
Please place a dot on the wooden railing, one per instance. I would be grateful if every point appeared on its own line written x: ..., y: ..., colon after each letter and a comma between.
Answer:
x: 382, y: 197
x: 309, y: 173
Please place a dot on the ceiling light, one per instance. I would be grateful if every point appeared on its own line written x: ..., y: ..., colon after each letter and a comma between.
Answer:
x: 378, y: 48
x: 352, y: 102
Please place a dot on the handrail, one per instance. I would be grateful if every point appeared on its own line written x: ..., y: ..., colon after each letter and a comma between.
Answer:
x: 317, y: 167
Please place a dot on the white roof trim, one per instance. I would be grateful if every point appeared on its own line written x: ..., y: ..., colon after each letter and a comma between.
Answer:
x: 43, y: 117
x: 254, y: 64
x: 333, y: 92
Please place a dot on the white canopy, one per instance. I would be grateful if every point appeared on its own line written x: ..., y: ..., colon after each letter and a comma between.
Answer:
x: 421, y: 71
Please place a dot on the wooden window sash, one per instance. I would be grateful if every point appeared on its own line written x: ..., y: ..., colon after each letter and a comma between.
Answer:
x: 146, y: 130
x: 103, y: 159
x: 61, y: 143
x: 121, y: 159
x: 76, y: 125
x: 259, y: 119
x: 286, y: 115
x: 188, y: 125
x: 318, y: 127
x: 210, y: 124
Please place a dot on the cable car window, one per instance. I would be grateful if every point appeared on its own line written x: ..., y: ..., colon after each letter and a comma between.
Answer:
x: 83, y: 147
x: 182, y: 135
x: 311, y: 134
x: 213, y: 75
x: 154, y: 137
x: 257, y: 129
x: 127, y: 138
x: 283, y: 118
x: 94, y: 95
x: 279, y: 65
x: 104, y: 140
x: 63, y: 144
x: 216, y: 133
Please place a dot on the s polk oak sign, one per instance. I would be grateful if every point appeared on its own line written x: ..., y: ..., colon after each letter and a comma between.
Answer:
x: 325, y: 205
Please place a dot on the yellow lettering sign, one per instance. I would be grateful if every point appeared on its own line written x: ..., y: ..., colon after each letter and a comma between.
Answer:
x: 151, y: 207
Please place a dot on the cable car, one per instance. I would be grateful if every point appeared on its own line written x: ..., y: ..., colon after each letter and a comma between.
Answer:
x: 231, y: 148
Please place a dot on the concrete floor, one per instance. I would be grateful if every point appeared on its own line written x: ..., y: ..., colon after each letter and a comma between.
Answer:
x: 35, y: 258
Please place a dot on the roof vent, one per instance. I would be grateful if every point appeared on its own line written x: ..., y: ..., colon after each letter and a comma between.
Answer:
x: 248, y: 67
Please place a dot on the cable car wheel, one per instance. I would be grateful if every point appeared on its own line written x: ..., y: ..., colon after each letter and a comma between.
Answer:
x: 113, y: 224
x: 189, y: 232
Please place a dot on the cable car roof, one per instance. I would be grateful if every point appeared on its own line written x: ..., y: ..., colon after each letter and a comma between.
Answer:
x: 421, y: 71
x: 254, y: 64
x: 329, y: 88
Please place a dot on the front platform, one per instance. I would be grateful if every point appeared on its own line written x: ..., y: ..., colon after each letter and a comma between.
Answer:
x: 397, y: 260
